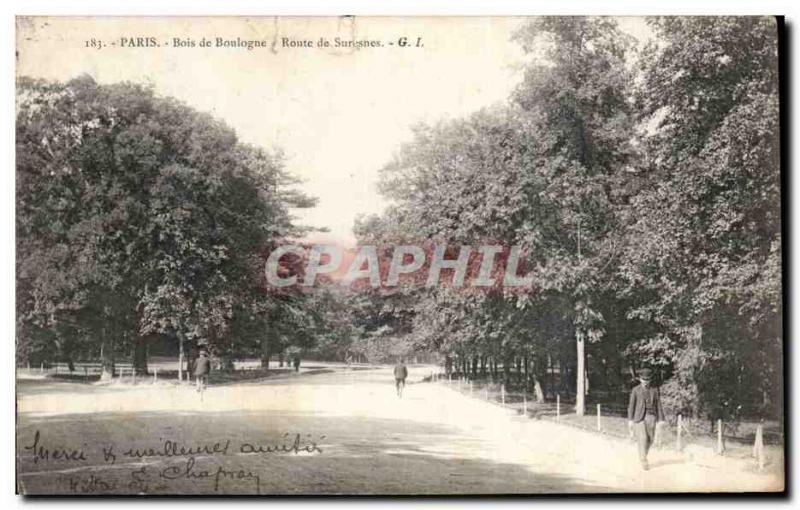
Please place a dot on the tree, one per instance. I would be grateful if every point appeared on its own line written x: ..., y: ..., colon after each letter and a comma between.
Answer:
x: 704, y: 255
x: 139, y: 216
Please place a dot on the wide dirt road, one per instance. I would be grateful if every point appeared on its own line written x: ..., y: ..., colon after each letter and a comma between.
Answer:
x: 333, y: 433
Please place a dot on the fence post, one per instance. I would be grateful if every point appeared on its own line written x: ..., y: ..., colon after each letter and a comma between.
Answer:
x: 758, y: 447
x: 680, y: 426
x: 599, y: 427
x: 558, y: 407
x: 719, y: 436
x: 503, y: 393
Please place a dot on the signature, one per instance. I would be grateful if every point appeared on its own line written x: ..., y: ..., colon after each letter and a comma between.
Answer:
x: 189, y: 471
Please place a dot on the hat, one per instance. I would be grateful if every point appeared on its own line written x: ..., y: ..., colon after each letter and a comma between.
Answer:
x: 645, y: 374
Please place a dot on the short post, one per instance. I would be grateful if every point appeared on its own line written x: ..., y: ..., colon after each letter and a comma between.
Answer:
x: 758, y: 447
x: 56, y: 368
x: 85, y: 373
x: 679, y: 431
x: 486, y: 393
x: 155, y: 375
x: 470, y: 388
x: 41, y: 367
x: 599, y: 426
x: 558, y: 407
x: 719, y: 436
x: 29, y: 365
x: 449, y: 378
x: 524, y: 406
x: 503, y: 393
x: 133, y: 375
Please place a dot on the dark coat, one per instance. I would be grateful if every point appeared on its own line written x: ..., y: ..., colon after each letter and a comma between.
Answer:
x: 636, y: 406
x: 202, y: 366
x: 400, y: 371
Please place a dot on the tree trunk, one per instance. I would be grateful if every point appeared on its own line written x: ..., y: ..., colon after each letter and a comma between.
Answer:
x: 106, y: 359
x: 265, y: 352
x: 538, y: 393
x: 580, y: 372
x: 536, y: 373
x: 527, y: 368
x: 140, y: 356
x: 180, y: 357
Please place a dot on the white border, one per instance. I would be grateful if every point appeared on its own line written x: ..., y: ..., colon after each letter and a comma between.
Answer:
x: 791, y: 9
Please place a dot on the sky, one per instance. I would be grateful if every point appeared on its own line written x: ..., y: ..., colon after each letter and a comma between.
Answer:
x: 337, y: 114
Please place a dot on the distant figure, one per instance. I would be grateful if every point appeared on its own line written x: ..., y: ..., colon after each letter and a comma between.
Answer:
x: 297, y: 363
x: 400, y: 374
x: 644, y: 413
x: 202, y: 367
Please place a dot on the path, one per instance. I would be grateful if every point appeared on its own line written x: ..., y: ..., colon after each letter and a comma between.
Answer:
x: 433, y: 441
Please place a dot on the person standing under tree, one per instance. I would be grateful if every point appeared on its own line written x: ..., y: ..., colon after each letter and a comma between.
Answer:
x: 400, y: 374
x: 644, y: 413
x: 297, y: 363
x: 202, y: 367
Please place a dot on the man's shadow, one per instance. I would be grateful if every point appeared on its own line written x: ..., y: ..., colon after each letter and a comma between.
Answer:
x: 662, y: 463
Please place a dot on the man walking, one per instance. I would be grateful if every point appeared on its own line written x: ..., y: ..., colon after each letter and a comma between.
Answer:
x: 202, y: 367
x: 400, y: 374
x: 644, y: 413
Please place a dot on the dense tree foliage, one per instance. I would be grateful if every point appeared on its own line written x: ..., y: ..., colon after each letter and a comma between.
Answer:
x: 644, y: 186
x: 704, y: 256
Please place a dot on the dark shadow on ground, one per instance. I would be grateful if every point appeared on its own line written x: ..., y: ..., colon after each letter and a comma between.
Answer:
x: 359, y: 456
x: 56, y: 384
